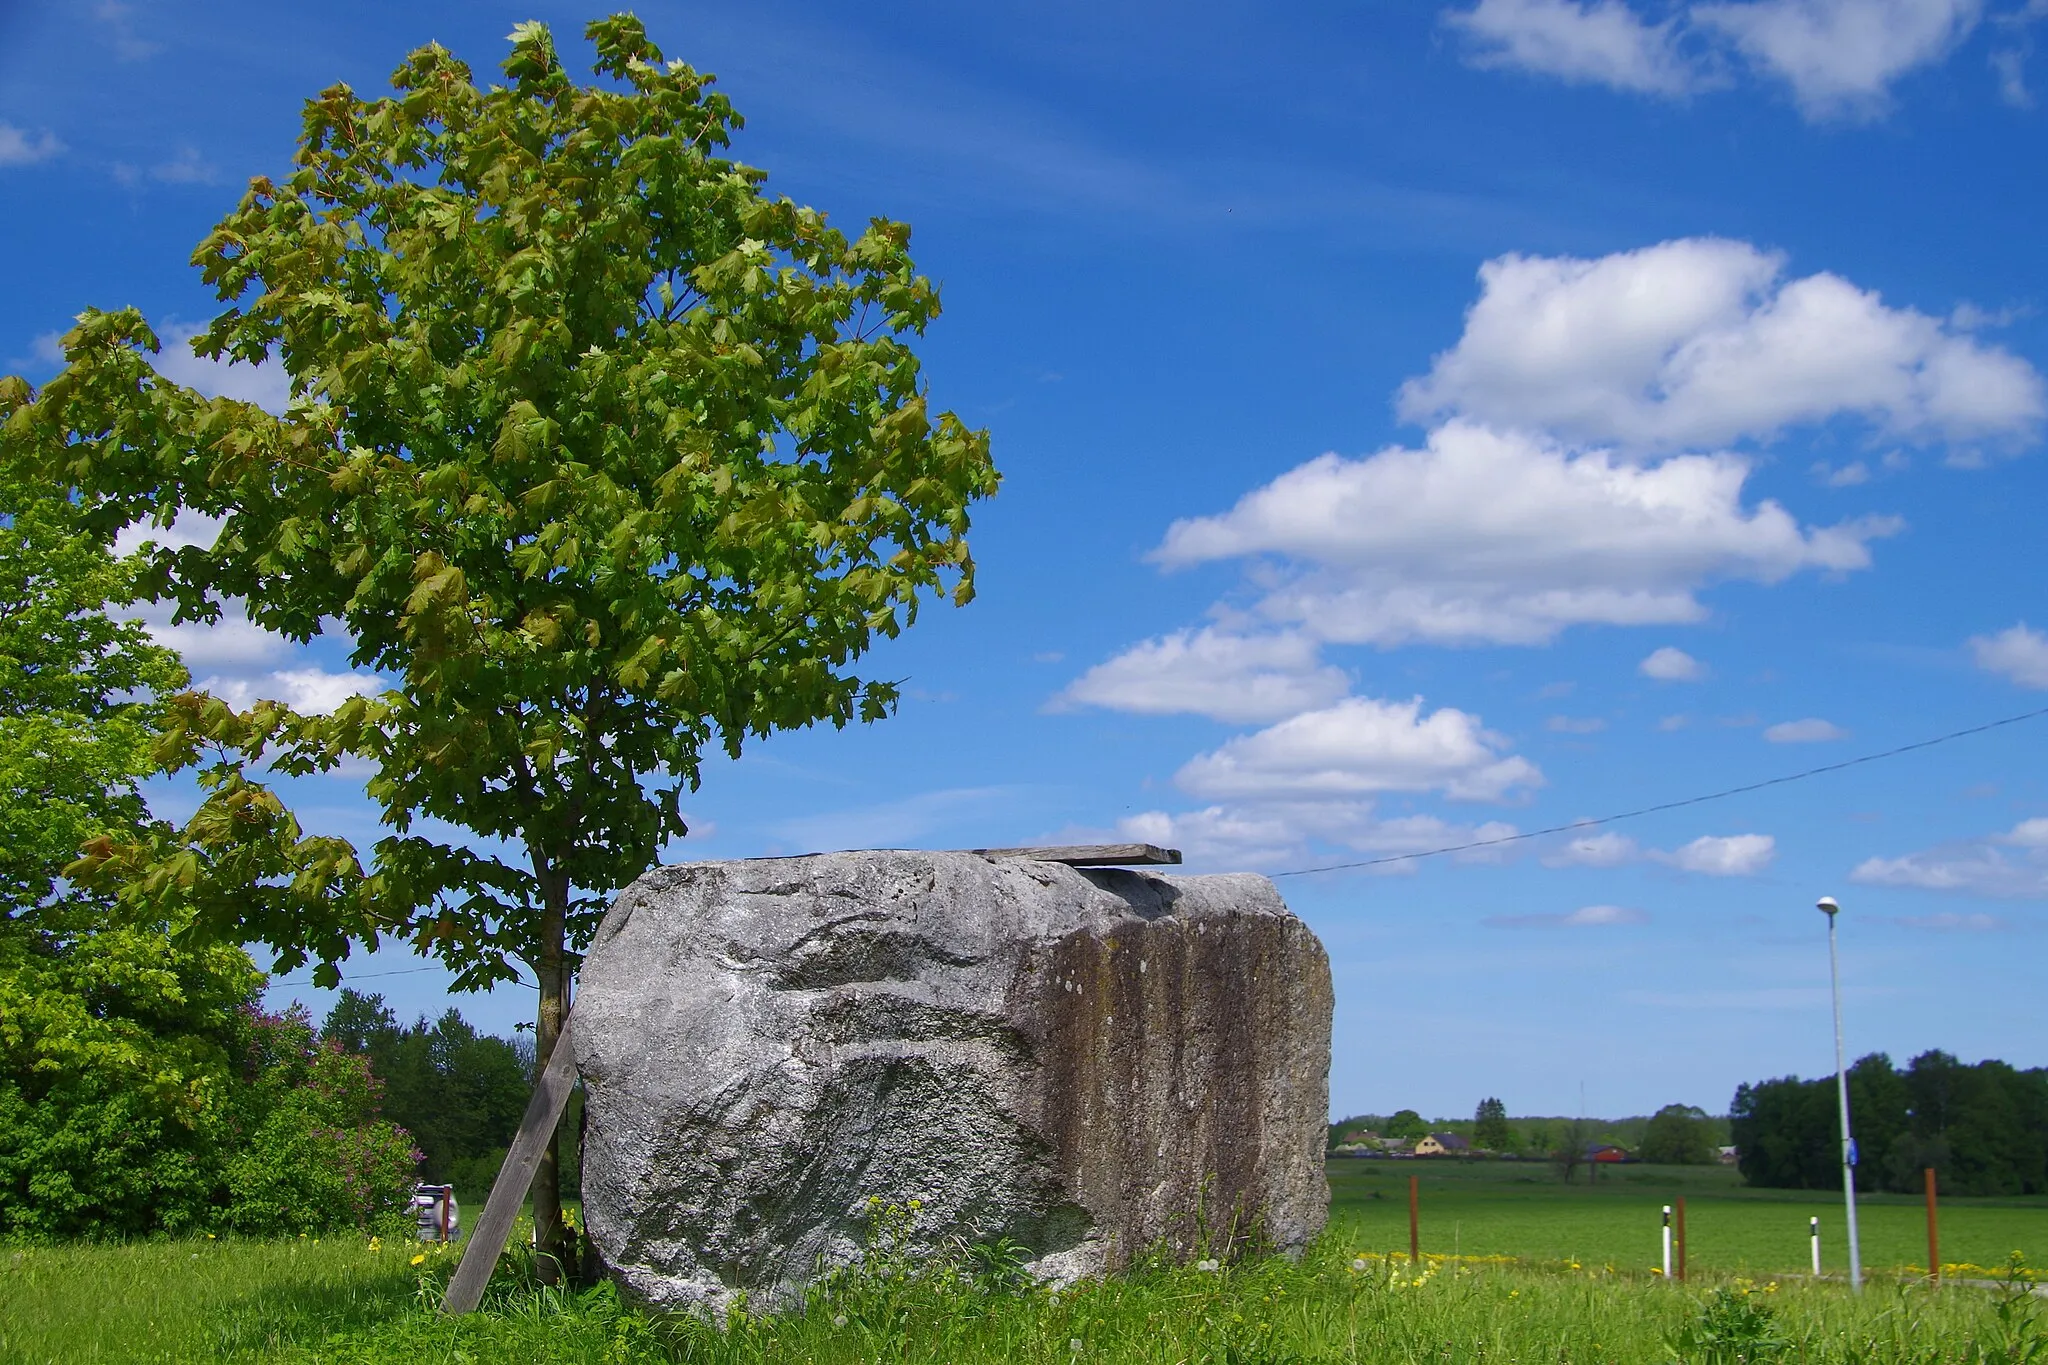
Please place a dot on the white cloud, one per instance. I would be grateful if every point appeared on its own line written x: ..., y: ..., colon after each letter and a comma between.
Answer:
x: 187, y: 528
x: 1840, y: 56
x: 1599, y: 42
x: 1249, y: 838
x: 1575, y: 725
x: 1671, y: 723
x: 232, y: 643
x: 1280, y: 834
x: 2018, y: 652
x: 2012, y: 865
x: 1812, y: 730
x: 47, y: 348
x: 1358, y: 747
x: 1670, y: 664
x: 1487, y: 536
x: 1212, y: 673
x: 309, y: 691
x: 19, y: 148
x: 186, y: 168
x: 1849, y: 475
x: 266, y: 385
x: 1595, y: 850
x: 1735, y: 855
x: 1701, y: 341
x: 1586, y: 917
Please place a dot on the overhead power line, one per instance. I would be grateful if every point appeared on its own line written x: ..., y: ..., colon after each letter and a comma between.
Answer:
x: 372, y: 976
x: 1670, y: 805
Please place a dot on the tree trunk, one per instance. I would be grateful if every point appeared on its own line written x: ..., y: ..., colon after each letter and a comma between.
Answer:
x: 553, y: 1250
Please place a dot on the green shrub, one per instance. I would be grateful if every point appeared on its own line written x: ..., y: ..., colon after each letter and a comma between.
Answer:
x: 316, y: 1156
x: 142, y: 1091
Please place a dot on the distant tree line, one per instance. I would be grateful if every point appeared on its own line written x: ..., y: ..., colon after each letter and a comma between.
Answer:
x: 459, y: 1093
x: 1983, y: 1128
x: 1677, y: 1134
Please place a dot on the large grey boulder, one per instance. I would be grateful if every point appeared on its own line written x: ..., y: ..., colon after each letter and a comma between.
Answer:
x: 1089, y: 1063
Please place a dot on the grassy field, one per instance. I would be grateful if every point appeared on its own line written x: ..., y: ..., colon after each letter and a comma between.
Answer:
x: 1490, y: 1208
x: 344, y: 1302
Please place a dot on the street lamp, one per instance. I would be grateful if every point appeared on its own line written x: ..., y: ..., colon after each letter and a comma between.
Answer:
x: 1828, y: 907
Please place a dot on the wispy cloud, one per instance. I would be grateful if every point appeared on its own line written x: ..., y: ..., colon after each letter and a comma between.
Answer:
x: 118, y: 19
x: 1732, y: 855
x: 1812, y: 730
x: 1586, y: 917
x: 1671, y: 664
x: 2008, y: 866
x: 188, y: 167
x: 1950, y: 922
x: 902, y: 824
x: 21, y: 148
x: 1839, y: 58
x: 2019, y: 653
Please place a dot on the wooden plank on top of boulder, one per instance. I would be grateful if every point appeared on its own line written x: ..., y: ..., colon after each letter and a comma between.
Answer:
x: 1091, y: 855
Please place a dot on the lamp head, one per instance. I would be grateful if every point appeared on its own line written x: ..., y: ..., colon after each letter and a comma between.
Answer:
x: 1826, y: 905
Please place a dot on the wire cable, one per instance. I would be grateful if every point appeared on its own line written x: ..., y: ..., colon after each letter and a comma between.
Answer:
x: 372, y: 976
x: 1671, y: 805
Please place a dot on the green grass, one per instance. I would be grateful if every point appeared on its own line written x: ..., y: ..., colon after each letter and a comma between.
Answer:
x: 1491, y: 1208
x: 339, y: 1303
x: 192, y: 1299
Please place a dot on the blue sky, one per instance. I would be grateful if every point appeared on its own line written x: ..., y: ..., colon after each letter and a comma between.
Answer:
x: 1419, y: 423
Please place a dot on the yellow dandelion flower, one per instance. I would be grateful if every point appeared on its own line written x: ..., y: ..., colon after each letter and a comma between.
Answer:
x: 420, y: 1259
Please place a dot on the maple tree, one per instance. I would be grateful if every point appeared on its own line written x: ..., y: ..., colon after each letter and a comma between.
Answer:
x: 597, y: 453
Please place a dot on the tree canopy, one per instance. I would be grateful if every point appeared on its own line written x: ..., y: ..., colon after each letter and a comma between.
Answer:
x: 1677, y: 1135
x: 1490, y: 1128
x: 141, y: 1088
x: 597, y: 454
x: 1983, y: 1128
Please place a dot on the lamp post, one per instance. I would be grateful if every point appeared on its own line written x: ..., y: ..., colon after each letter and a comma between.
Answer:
x: 1828, y: 907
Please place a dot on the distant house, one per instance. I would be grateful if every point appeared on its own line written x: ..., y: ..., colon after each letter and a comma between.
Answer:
x: 1608, y: 1152
x: 1727, y: 1156
x: 1442, y: 1144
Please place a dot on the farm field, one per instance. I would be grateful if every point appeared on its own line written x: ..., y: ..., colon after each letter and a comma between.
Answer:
x: 346, y: 1302
x: 1522, y: 1209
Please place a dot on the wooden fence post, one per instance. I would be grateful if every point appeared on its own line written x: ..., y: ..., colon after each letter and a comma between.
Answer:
x: 1414, y: 1220
x: 1681, y: 1236
x: 1933, y: 1234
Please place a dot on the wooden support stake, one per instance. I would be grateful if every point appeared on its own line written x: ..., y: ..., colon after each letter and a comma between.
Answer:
x: 1414, y: 1220
x: 1933, y: 1234
x: 515, y: 1177
x: 1681, y: 1236
x: 550, y: 1097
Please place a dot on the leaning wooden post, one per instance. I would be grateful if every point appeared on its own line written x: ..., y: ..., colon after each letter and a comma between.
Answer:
x: 1933, y: 1234
x: 1681, y: 1237
x: 515, y: 1177
x: 1414, y: 1220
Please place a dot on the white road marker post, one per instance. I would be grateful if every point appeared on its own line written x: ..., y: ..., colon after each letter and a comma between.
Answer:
x: 1667, y: 1242
x: 1813, y: 1225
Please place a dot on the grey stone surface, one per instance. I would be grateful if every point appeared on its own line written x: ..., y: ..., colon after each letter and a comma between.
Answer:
x: 1088, y: 1062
